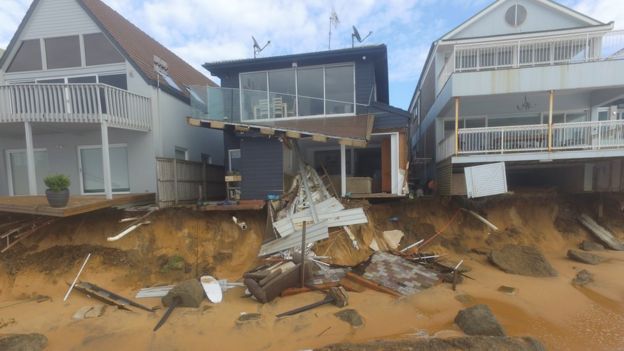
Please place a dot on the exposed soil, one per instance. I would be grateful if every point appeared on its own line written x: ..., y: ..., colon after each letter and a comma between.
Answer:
x: 181, y: 244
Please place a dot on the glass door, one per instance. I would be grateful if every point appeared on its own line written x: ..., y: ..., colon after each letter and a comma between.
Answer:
x: 92, y: 175
x: 18, y: 171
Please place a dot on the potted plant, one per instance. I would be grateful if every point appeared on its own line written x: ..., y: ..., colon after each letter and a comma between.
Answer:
x: 58, y: 190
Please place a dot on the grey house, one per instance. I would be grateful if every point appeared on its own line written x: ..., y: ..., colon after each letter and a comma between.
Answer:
x: 528, y: 82
x: 330, y: 109
x: 86, y: 93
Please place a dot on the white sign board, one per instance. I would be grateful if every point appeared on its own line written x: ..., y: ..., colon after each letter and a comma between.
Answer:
x: 486, y: 180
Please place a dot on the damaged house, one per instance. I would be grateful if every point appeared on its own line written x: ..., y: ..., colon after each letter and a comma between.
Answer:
x: 330, y: 109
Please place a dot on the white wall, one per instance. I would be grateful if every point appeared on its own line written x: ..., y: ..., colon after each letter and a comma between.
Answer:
x: 62, y: 149
x: 55, y: 18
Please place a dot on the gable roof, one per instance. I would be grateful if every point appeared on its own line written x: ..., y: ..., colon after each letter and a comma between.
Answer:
x: 138, y: 47
x: 549, y: 3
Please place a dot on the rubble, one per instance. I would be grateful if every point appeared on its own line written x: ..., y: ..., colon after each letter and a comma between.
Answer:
x: 601, y: 233
x: 479, y: 320
x: 246, y: 318
x: 398, y: 274
x: 522, y: 260
x: 88, y: 312
x: 509, y: 290
x: 445, y: 344
x: 583, y: 278
x: 588, y: 245
x: 585, y: 257
x: 335, y: 296
x: 190, y: 293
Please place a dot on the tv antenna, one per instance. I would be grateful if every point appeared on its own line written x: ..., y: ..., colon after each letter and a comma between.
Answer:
x: 334, y: 21
x: 256, y: 47
x: 356, y: 35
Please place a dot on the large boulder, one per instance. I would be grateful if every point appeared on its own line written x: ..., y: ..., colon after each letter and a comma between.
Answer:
x: 522, y: 260
x: 190, y: 293
x: 23, y: 342
x: 480, y: 343
x: 585, y: 257
x: 479, y: 320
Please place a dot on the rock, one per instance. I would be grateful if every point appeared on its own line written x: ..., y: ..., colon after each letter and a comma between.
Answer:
x: 479, y: 320
x: 522, y: 260
x: 475, y: 343
x: 190, y: 292
x: 583, y: 278
x: 248, y: 318
x: 87, y: 312
x: 23, y: 342
x: 588, y: 245
x: 585, y: 257
x: 350, y: 316
x: 509, y: 290
x: 465, y: 299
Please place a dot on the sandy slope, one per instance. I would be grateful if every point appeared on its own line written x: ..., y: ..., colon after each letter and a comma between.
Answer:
x: 562, y: 316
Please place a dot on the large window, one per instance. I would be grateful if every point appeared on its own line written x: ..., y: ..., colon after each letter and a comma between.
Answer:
x: 28, y: 57
x: 63, y: 52
x: 92, y: 175
x: 306, y: 91
x: 99, y: 51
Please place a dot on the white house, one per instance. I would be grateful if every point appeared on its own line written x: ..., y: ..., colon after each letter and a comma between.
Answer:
x: 76, y: 76
x: 529, y: 82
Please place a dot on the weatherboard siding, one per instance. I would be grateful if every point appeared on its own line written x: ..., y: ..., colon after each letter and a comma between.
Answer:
x: 261, y: 168
x: 55, y: 18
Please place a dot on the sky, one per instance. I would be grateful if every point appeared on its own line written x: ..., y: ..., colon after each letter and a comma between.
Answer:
x: 211, y: 30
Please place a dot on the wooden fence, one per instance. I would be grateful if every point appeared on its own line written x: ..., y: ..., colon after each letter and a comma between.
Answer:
x: 187, y: 181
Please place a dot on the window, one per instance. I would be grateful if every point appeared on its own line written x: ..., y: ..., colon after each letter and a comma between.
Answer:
x: 116, y: 80
x: 63, y: 52
x: 181, y: 153
x: 27, y: 58
x: 306, y: 91
x: 339, y: 90
x: 234, y: 160
x: 206, y: 158
x: 310, y: 84
x: 99, y: 50
x: 93, y: 175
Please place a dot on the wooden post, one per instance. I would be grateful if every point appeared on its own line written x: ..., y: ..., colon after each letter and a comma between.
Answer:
x: 303, y: 239
x: 456, y: 125
x: 108, y: 187
x: 550, y: 119
x: 204, y: 192
x: 30, y: 160
x: 175, y: 180
x: 343, y: 170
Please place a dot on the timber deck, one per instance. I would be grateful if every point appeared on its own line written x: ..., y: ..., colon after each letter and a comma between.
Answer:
x: 375, y: 196
x: 242, y: 205
x: 38, y: 205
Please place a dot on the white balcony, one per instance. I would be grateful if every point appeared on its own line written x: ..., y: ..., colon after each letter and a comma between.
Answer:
x: 533, y: 52
x: 593, y: 135
x: 75, y: 103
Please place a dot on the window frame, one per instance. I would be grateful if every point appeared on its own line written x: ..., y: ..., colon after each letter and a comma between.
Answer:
x: 295, y: 68
x: 80, y: 171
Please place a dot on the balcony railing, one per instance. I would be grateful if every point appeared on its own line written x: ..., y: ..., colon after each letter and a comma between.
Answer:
x: 547, y: 50
x: 594, y: 135
x: 236, y: 105
x: 74, y: 103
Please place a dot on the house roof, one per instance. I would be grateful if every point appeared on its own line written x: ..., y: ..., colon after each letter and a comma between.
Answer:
x: 550, y: 3
x: 138, y: 47
x: 378, y: 54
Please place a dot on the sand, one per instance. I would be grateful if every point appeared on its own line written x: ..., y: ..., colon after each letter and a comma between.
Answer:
x: 560, y: 315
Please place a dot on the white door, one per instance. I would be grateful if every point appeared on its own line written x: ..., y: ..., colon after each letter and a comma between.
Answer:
x: 18, y: 171
x: 91, y: 174
x: 486, y: 180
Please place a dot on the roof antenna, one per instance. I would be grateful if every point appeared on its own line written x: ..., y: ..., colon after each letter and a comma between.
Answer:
x: 334, y: 21
x: 356, y: 35
x: 256, y: 47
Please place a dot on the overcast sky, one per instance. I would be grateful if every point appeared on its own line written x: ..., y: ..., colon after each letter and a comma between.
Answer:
x: 212, y: 30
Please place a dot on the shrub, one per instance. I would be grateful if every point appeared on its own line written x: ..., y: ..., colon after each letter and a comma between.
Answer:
x: 57, y: 182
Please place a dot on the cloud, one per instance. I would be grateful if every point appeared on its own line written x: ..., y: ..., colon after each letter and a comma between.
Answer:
x: 603, y: 10
x: 10, y: 18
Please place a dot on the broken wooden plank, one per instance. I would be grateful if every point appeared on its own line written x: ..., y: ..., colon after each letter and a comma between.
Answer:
x: 370, y: 284
x: 601, y: 233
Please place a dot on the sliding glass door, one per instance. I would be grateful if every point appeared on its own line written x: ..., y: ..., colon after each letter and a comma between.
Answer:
x: 18, y: 171
x: 92, y: 175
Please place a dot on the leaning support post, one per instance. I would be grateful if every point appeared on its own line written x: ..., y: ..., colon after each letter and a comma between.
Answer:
x: 343, y: 170
x: 303, y: 242
x: 550, y: 119
x: 456, y: 125
x: 106, y: 168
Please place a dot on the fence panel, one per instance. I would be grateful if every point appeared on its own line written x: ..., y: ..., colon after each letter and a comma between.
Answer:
x: 182, y: 181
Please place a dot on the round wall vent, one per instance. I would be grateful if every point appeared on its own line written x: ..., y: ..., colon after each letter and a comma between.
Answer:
x: 515, y: 15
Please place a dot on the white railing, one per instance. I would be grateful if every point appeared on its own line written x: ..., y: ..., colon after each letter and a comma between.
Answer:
x: 546, y: 50
x: 593, y: 135
x: 74, y: 103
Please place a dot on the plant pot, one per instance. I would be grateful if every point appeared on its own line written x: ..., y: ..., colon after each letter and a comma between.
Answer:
x: 57, y: 198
